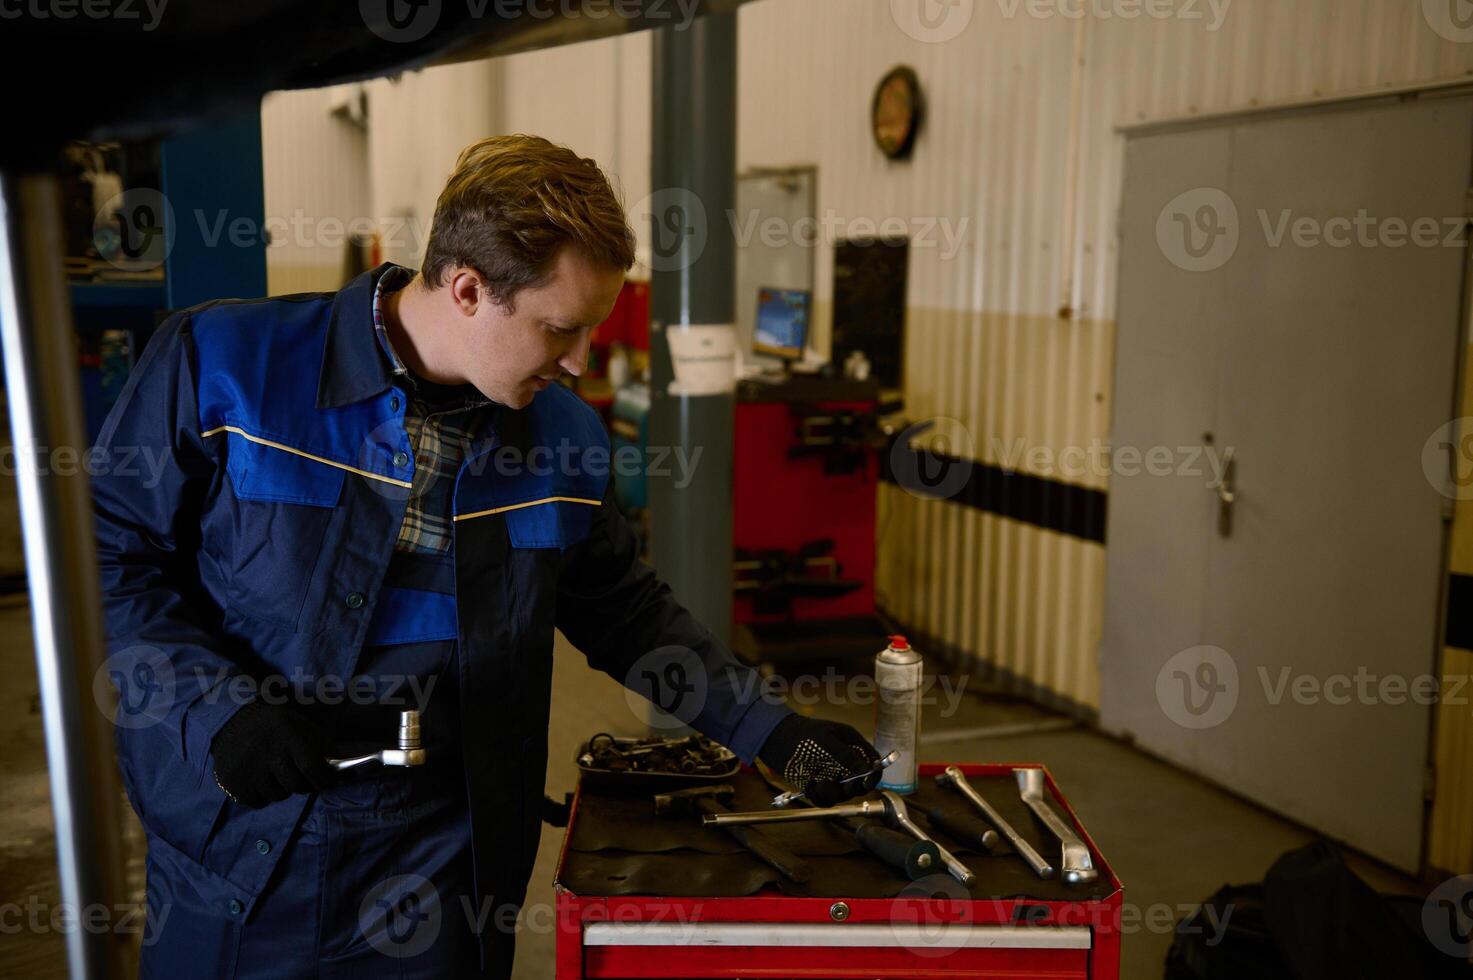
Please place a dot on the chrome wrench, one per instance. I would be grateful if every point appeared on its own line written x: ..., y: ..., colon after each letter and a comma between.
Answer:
x: 1077, y: 865
x: 957, y: 780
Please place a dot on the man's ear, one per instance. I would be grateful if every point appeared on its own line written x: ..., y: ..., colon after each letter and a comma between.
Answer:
x: 465, y: 290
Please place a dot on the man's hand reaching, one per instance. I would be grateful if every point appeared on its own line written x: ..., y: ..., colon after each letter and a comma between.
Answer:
x: 814, y: 755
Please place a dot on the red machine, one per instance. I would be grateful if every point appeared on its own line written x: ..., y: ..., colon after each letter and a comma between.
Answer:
x: 805, y: 472
x: 770, y: 934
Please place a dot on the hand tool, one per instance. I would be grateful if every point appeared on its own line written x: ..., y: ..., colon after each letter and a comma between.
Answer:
x: 913, y: 858
x: 711, y: 800
x: 967, y: 829
x: 409, y: 753
x: 957, y: 780
x: 890, y: 807
x: 1077, y: 867
x: 792, y: 796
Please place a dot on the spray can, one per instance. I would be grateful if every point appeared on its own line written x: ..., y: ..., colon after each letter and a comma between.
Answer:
x: 898, y: 713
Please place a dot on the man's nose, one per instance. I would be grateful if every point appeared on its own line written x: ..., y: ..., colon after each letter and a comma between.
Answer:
x: 576, y: 359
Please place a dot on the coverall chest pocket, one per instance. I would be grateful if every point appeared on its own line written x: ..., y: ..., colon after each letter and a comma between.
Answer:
x: 558, y: 520
x: 284, y: 503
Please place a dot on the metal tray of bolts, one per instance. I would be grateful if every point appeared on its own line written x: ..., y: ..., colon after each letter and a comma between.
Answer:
x: 654, y: 764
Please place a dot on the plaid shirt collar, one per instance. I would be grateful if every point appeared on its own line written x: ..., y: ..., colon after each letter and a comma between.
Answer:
x: 394, y: 278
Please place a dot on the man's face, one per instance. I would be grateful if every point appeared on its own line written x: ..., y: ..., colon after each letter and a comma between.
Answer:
x: 510, y: 356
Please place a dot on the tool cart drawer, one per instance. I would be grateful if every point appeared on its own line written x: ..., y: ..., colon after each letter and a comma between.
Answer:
x: 642, y: 896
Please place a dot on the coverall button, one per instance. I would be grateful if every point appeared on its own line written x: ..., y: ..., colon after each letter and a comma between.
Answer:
x: 394, y: 404
x: 354, y: 600
x: 264, y: 846
x: 401, y: 458
x: 235, y: 907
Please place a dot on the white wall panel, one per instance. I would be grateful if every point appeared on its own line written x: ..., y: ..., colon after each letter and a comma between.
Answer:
x: 593, y: 97
x: 418, y: 124
x: 316, y: 167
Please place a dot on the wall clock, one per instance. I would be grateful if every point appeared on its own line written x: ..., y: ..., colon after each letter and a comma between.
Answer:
x: 895, y: 113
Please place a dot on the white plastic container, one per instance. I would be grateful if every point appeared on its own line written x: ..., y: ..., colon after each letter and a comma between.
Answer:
x: 898, y: 713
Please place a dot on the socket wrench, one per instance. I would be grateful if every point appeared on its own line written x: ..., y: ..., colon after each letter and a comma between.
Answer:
x: 1077, y: 865
x: 889, y: 807
x: 409, y: 753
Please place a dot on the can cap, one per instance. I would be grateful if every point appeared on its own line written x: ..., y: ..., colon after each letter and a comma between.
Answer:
x: 898, y: 642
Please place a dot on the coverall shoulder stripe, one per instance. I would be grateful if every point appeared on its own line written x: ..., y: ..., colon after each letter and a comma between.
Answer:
x: 529, y: 503
x: 237, y: 430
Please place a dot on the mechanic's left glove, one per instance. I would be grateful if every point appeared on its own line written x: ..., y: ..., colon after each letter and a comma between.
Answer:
x: 814, y: 755
x: 267, y: 752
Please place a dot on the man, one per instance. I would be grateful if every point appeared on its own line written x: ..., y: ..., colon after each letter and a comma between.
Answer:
x: 375, y: 500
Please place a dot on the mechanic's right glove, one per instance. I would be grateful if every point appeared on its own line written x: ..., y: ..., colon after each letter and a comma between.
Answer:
x: 267, y: 752
x: 816, y: 755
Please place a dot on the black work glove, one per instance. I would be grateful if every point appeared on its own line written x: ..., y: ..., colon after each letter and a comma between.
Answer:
x: 814, y: 755
x: 267, y: 752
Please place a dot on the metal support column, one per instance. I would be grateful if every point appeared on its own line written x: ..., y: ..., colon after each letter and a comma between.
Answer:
x: 694, y: 268
x: 41, y: 378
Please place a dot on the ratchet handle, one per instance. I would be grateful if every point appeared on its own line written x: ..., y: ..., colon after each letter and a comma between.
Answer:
x: 971, y: 831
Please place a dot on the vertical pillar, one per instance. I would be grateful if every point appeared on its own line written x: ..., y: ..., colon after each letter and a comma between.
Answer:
x: 692, y: 311
x: 42, y: 386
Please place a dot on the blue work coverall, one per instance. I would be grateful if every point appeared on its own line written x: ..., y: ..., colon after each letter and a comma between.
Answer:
x: 253, y: 478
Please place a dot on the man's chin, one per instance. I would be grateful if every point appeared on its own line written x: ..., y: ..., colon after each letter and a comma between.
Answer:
x: 522, y: 397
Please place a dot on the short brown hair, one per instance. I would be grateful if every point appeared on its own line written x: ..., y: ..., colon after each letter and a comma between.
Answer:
x: 512, y: 203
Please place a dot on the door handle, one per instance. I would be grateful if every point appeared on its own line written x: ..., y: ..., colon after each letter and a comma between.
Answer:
x: 1226, y: 498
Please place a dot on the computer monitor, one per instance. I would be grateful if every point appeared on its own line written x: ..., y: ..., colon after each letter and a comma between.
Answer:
x: 782, y: 322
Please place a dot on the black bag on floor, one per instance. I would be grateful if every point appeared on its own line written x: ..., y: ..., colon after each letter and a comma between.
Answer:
x: 1226, y: 938
x: 1311, y: 919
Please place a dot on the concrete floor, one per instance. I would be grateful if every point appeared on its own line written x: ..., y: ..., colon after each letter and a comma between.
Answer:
x: 1172, y: 839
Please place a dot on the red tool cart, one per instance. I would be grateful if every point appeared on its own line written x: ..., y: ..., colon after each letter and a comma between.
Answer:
x: 1008, y: 923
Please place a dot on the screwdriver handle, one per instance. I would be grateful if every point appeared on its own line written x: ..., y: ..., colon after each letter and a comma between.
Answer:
x: 913, y: 858
x: 969, y: 830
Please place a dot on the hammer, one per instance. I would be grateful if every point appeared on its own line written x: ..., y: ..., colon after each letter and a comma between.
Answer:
x: 711, y: 800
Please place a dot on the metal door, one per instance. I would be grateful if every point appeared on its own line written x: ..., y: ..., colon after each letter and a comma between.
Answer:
x: 1290, y: 301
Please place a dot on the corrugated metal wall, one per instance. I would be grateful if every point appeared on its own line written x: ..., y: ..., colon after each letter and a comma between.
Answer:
x: 319, y: 165
x: 552, y: 93
x: 984, y: 347
x: 445, y: 109
x: 316, y: 167
x: 327, y: 175
x: 985, y: 344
